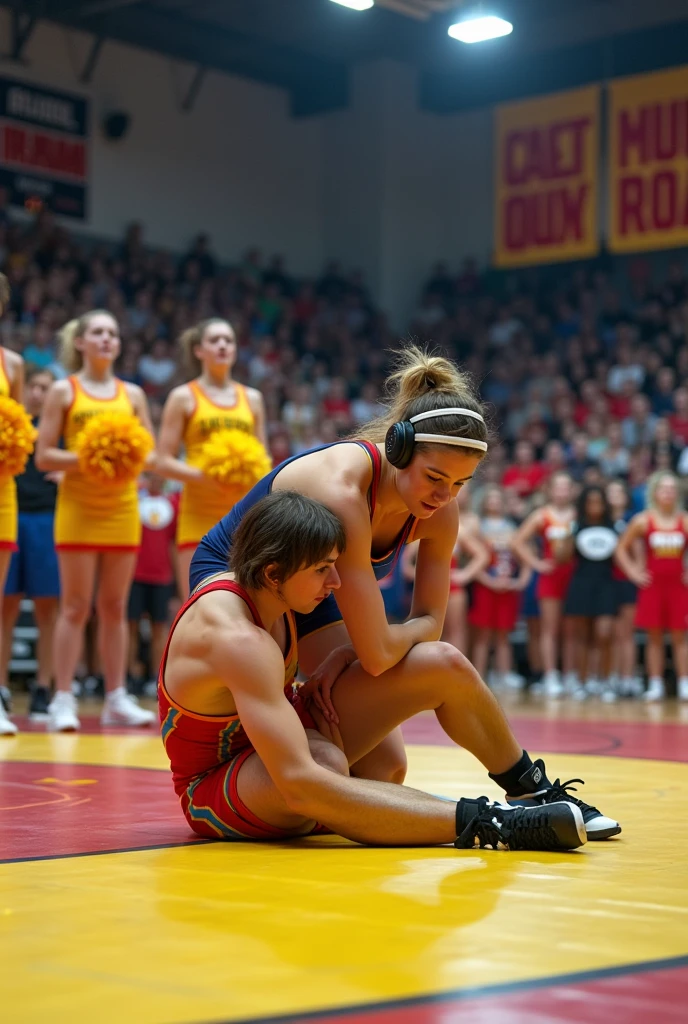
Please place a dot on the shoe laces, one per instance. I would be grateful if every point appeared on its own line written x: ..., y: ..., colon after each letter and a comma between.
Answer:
x: 518, y: 828
x: 560, y: 791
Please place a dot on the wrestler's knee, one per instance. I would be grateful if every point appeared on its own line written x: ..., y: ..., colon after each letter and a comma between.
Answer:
x: 386, y: 763
x: 448, y: 665
x: 327, y: 755
x: 392, y: 765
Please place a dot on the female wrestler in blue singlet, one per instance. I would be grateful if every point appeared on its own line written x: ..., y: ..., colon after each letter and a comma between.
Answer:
x: 395, y: 482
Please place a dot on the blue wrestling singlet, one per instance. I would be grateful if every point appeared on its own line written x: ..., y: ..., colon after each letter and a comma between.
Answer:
x: 212, y: 554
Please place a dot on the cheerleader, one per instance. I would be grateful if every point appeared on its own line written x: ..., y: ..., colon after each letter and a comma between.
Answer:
x: 468, y: 547
x: 660, y: 574
x: 497, y: 592
x: 626, y: 653
x: 592, y: 598
x: 97, y: 527
x: 553, y: 523
x: 11, y: 386
x: 470, y: 550
x: 192, y: 414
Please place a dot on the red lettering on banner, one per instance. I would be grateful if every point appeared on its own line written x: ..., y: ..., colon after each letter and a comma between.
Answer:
x: 664, y: 190
x: 658, y: 202
x: 545, y: 154
x: 631, y: 204
x: 632, y: 134
x: 545, y: 218
x: 658, y: 131
x: 35, y: 150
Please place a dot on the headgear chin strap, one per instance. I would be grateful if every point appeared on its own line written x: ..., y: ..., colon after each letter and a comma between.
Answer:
x: 402, y: 436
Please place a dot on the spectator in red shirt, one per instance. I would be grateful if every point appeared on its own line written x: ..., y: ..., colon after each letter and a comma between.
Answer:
x: 336, y: 404
x: 153, y: 586
x: 589, y: 393
x: 620, y: 405
x: 679, y: 418
x: 526, y: 475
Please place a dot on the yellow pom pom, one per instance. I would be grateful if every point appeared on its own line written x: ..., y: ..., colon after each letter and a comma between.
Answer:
x: 113, y: 448
x: 17, y: 437
x: 235, y: 459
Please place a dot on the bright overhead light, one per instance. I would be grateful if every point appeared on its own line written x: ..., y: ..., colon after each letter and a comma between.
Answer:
x: 480, y: 28
x: 356, y: 5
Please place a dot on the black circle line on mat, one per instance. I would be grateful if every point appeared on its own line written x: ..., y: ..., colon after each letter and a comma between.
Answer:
x: 462, y: 994
x: 101, y: 853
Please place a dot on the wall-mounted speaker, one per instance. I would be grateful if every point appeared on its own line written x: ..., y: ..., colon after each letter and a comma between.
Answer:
x: 116, y: 125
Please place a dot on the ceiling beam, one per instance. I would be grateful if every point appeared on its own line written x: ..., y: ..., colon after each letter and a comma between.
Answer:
x: 22, y: 28
x: 315, y: 84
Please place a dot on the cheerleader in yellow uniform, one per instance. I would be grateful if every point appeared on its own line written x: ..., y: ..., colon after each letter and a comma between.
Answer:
x: 193, y: 413
x: 97, y: 527
x: 11, y: 386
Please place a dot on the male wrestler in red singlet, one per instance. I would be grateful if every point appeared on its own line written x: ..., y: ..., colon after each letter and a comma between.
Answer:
x: 251, y: 761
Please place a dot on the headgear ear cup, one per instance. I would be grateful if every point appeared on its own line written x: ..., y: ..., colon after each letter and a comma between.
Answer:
x: 399, y: 444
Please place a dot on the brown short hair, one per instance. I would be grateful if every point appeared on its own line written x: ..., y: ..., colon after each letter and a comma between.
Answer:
x: 31, y: 371
x: 285, y: 529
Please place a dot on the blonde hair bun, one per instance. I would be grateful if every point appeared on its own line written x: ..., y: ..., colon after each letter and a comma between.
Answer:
x: 423, y: 382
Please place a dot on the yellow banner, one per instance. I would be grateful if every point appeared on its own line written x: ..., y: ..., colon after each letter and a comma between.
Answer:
x: 648, y: 161
x: 546, y: 174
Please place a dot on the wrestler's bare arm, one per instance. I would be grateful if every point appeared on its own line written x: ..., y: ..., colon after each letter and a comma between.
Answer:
x: 379, y: 645
x: 368, y: 812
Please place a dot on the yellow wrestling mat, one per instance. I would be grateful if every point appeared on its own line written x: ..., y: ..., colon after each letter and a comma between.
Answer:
x: 225, y: 931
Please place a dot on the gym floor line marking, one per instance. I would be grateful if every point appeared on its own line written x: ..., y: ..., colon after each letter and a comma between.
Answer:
x: 464, y: 994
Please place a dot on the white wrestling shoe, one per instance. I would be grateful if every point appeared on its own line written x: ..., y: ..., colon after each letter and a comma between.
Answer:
x: 7, y: 727
x: 122, y: 709
x: 62, y: 713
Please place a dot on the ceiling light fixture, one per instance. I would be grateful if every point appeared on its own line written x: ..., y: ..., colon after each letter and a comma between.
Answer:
x: 480, y: 27
x: 356, y: 5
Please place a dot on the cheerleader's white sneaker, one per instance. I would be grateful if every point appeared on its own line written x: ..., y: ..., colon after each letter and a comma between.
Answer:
x: 62, y: 715
x: 123, y: 709
x: 7, y: 727
x: 656, y: 691
x: 552, y: 685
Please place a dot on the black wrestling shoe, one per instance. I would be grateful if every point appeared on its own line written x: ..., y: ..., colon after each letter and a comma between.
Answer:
x: 553, y: 826
x: 597, y: 825
x: 38, y: 708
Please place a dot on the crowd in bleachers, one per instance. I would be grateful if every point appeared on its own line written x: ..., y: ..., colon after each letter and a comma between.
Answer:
x: 585, y: 370
x: 316, y: 349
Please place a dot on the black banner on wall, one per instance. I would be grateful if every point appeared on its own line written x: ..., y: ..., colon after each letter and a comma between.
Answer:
x: 44, y: 158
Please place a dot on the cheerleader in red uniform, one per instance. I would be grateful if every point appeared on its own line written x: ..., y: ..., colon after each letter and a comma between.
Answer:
x: 662, y: 579
x: 625, y: 648
x: 554, y: 524
x: 469, y: 559
x: 497, y: 592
